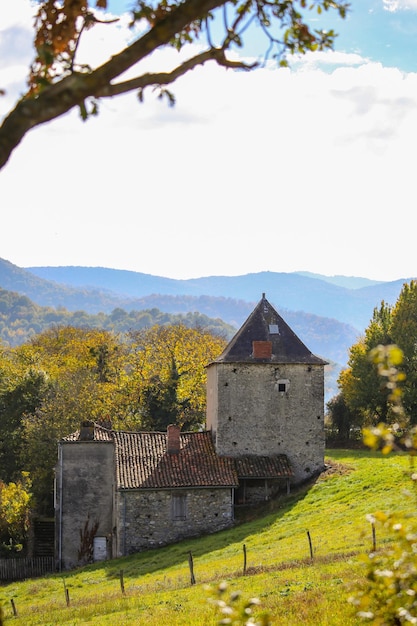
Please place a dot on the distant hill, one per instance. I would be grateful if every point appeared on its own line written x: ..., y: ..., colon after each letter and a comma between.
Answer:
x: 327, y: 316
x: 290, y: 291
x: 21, y: 319
x: 96, y: 290
x: 350, y: 282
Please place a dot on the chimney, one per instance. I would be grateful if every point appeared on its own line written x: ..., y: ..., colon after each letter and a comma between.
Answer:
x: 105, y: 423
x: 173, y: 439
x: 86, y: 431
x: 262, y: 349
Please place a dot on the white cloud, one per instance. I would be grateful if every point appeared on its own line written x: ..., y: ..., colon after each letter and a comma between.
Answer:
x: 275, y: 169
x: 399, y: 5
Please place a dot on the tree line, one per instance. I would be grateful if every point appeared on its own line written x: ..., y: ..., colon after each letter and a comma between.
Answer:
x: 21, y: 319
x: 141, y: 380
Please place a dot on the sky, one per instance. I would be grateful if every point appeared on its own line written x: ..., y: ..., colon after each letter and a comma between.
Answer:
x: 307, y: 168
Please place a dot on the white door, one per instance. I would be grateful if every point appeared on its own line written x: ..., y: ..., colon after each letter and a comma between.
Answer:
x: 100, y: 549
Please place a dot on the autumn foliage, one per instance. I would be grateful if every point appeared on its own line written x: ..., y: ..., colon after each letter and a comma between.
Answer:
x: 15, y: 508
x: 143, y: 380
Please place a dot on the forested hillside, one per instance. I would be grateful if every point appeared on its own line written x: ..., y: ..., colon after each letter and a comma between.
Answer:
x: 21, y: 319
x: 327, y: 317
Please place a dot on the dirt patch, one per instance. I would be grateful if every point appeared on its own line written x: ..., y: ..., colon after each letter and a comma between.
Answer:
x: 334, y: 468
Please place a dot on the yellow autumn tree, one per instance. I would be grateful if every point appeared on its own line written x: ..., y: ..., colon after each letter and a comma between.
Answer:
x: 168, y: 377
x: 85, y: 369
x: 15, y: 506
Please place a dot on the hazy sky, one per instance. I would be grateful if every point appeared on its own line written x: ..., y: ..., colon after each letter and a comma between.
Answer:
x: 309, y: 168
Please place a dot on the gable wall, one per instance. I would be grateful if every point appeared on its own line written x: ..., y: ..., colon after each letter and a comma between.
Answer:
x: 145, y: 517
x: 248, y: 415
x: 84, y: 491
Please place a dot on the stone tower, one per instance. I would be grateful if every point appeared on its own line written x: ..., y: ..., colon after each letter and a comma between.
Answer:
x: 265, y: 395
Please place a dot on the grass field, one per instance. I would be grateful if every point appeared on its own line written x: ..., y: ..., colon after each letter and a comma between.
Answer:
x: 293, y: 588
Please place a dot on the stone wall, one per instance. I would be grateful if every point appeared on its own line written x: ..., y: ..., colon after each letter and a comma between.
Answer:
x: 146, y: 517
x: 248, y: 413
x: 84, y: 495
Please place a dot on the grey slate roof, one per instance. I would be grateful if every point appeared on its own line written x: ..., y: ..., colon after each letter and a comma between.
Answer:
x: 264, y: 324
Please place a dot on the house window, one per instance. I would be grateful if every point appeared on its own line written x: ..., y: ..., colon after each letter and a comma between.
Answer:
x: 282, y: 385
x: 179, y: 506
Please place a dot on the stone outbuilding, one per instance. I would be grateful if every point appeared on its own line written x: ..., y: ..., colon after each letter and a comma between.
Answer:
x: 122, y: 492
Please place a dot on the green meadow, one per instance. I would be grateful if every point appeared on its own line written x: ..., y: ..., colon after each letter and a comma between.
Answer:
x: 295, y: 584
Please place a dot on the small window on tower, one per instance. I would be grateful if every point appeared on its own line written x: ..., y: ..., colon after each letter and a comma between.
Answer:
x: 282, y: 385
x: 273, y: 329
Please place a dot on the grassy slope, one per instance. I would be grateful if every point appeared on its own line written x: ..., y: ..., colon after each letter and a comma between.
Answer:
x: 294, y: 589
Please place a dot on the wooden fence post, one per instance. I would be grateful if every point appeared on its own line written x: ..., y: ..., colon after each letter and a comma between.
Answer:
x: 244, y: 559
x: 310, y: 544
x: 373, y: 537
x: 122, y: 583
x: 191, y: 565
x: 14, y: 607
x: 67, y: 597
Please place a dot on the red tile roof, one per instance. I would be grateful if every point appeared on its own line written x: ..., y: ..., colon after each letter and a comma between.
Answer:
x: 142, y: 462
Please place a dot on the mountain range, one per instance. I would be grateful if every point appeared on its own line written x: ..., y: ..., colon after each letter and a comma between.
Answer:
x: 350, y: 300
x: 328, y: 313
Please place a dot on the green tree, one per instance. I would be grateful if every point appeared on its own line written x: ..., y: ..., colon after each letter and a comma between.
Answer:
x: 58, y: 82
x: 160, y: 401
x: 404, y: 334
x: 360, y: 383
x: 342, y: 419
x: 23, y: 398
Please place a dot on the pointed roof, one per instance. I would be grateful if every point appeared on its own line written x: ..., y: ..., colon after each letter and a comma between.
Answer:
x: 266, y: 338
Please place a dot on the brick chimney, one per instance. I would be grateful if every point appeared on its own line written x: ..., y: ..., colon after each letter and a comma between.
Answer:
x: 173, y: 439
x: 262, y: 349
x: 87, y: 431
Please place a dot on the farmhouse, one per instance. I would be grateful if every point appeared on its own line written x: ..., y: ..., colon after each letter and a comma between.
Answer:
x: 122, y: 492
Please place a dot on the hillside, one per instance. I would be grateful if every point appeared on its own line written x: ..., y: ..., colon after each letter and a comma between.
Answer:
x: 22, y: 315
x: 327, y: 313
x: 289, y: 291
x: 291, y: 586
x: 21, y: 319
